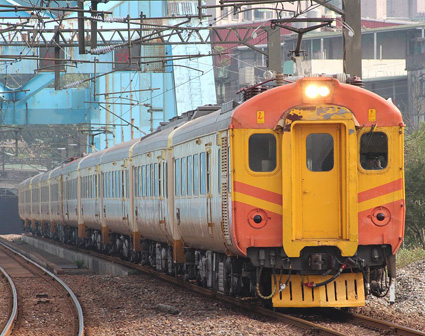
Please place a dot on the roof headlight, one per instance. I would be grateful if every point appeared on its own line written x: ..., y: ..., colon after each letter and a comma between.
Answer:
x: 314, y: 91
x: 311, y: 91
x: 323, y: 91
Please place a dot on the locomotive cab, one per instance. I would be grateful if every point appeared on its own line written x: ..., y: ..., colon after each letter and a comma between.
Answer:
x: 323, y: 184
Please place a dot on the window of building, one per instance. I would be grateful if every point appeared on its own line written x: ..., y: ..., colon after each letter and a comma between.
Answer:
x: 247, y: 15
x: 374, y: 151
x: 262, y: 152
x: 258, y: 14
x: 320, y: 152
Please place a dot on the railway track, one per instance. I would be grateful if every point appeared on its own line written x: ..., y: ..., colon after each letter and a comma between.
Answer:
x: 37, y: 304
x: 363, y: 325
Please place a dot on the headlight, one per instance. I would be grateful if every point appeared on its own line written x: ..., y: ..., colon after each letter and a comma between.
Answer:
x: 314, y: 91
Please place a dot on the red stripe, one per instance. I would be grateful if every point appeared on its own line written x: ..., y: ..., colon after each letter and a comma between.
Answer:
x: 263, y: 194
x: 381, y: 190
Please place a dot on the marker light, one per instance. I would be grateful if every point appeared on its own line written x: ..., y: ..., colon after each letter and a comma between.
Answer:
x: 314, y: 91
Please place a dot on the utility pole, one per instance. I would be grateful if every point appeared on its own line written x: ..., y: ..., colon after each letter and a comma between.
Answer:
x: 352, y: 37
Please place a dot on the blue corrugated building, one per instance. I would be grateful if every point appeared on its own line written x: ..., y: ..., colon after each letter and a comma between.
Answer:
x: 169, y: 89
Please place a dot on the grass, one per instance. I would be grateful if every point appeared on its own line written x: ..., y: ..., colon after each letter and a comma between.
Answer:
x: 79, y: 263
x: 406, y: 256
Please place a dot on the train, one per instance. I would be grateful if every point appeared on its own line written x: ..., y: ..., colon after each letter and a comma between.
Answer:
x: 294, y: 196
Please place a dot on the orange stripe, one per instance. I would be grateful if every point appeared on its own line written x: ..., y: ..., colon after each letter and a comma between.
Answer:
x: 381, y: 190
x: 250, y: 190
x: 238, y: 203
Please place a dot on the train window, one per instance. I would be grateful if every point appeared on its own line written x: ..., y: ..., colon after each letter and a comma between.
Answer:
x: 117, y: 188
x: 148, y: 180
x: 208, y: 176
x: 320, y: 152
x: 196, y: 174
x: 156, y: 180
x: 219, y: 171
x: 136, y: 181
x: 374, y: 151
x: 177, y: 177
x: 125, y: 183
x: 110, y: 184
x: 143, y: 181
x: 86, y: 190
x: 139, y: 181
x: 203, y: 173
x: 262, y: 152
x: 160, y: 178
x: 184, y: 175
x: 166, y: 180
x: 112, y: 188
x: 152, y: 191
x: 189, y: 175
x: 118, y: 179
x: 106, y: 186
x: 96, y: 186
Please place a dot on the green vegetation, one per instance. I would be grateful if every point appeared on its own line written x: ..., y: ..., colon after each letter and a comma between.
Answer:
x: 80, y: 263
x: 406, y: 256
x: 415, y: 188
x: 414, y: 241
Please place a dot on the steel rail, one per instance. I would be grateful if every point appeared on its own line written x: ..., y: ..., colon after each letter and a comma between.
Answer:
x: 63, y: 284
x: 7, y: 330
x: 384, y: 325
x: 289, y: 319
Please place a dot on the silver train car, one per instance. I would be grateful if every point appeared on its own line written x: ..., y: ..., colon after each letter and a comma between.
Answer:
x: 157, y: 199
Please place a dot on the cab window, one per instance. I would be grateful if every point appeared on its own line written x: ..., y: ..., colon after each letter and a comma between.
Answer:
x: 320, y: 152
x: 374, y: 151
x: 262, y: 152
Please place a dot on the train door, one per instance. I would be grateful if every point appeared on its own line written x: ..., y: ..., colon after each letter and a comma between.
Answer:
x: 319, y: 177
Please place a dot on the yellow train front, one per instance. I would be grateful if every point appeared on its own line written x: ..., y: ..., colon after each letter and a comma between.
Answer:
x: 318, y: 192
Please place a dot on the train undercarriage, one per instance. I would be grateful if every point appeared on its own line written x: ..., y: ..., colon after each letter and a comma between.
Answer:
x: 320, y: 273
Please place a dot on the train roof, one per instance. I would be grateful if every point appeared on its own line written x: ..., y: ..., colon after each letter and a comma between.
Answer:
x: 118, y: 152
x: 27, y: 181
x: 91, y: 160
x: 275, y: 103
x: 159, y: 139
x: 210, y: 123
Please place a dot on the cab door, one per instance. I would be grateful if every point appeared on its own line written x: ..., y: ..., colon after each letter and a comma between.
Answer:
x: 319, y: 189
x: 320, y: 173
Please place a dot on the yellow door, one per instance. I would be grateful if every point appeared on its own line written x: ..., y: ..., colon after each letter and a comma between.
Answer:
x: 319, y: 176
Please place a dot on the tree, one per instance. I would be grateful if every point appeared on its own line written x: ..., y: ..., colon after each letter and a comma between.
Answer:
x: 415, y: 187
